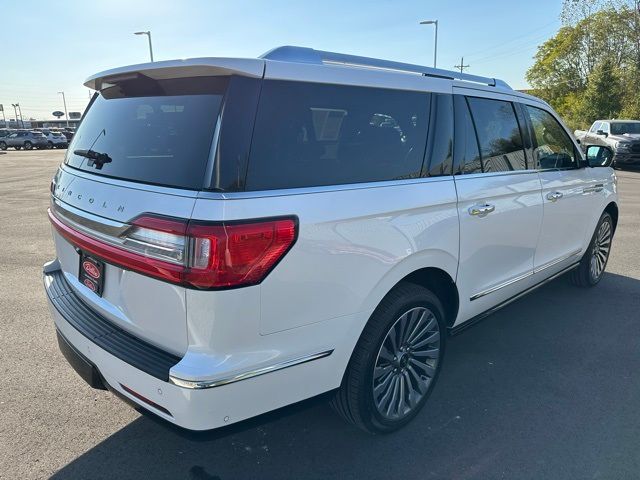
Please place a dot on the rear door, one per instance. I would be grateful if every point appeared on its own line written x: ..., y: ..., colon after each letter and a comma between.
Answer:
x: 499, y: 203
x: 569, y: 191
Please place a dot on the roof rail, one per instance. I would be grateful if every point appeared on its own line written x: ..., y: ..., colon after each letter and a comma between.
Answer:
x: 309, y: 55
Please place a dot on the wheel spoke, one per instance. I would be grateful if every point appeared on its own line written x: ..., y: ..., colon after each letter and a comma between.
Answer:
x: 430, y: 353
x: 434, y: 337
x: 428, y: 327
x: 425, y: 367
x: 414, y: 327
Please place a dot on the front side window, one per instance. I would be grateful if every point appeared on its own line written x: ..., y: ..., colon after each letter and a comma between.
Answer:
x: 309, y: 134
x: 595, y: 127
x: 552, y: 146
x: 499, y: 135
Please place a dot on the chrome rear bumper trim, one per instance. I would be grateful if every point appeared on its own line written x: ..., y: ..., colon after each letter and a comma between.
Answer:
x: 202, y: 384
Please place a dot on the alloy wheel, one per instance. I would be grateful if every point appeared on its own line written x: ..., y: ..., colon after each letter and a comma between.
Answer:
x: 406, y: 363
x: 600, y: 252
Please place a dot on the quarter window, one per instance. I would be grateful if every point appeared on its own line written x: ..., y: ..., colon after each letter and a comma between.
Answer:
x: 553, y: 147
x: 309, y: 134
x: 466, y: 152
x: 499, y: 135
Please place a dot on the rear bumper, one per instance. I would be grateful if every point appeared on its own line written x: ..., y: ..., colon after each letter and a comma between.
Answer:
x: 103, y: 354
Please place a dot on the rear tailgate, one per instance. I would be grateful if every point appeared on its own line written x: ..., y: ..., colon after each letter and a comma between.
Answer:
x: 150, y: 309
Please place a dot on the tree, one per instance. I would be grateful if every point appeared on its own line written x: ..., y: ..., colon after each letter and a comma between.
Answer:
x: 592, y: 63
x: 602, y: 97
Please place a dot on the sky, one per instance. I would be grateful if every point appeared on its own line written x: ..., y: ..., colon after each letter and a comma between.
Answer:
x: 59, y: 44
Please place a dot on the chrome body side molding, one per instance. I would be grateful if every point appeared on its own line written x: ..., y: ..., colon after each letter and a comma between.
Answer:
x: 463, y: 326
x: 198, y: 385
x: 525, y: 275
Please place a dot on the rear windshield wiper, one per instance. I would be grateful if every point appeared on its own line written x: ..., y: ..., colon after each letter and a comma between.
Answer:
x: 96, y: 159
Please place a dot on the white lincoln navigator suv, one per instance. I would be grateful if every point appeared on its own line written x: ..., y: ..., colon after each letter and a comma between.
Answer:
x: 235, y: 235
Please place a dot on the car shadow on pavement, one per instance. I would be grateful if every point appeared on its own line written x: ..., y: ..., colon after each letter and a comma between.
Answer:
x: 545, y: 388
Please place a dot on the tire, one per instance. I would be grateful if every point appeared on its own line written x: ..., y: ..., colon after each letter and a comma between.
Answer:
x: 406, y: 380
x: 17, y: 147
x: 595, y: 259
x: 3, y: 146
x: 49, y: 145
x: 28, y: 145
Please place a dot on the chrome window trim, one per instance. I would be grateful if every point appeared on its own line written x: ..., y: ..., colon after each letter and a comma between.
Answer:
x: 525, y: 275
x: 283, y: 192
x: 202, y: 384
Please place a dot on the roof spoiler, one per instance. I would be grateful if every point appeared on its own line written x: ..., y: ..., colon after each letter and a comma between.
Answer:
x: 320, y: 57
x: 192, y: 67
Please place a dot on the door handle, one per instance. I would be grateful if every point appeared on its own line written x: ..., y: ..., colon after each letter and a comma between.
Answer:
x: 554, y: 196
x: 481, y: 210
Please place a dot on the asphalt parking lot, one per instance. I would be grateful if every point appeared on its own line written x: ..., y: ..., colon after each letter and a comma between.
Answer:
x: 547, y: 388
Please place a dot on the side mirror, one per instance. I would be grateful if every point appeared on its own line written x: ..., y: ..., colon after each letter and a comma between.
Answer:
x: 599, y: 156
x: 602, y: 132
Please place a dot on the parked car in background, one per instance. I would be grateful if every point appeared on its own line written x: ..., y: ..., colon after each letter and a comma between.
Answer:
x: 68, y: 132
x: 326, y: 233
x: 4, y: 132
x: 622, y: 136
x: 27, y: 139
x: 55, y: 138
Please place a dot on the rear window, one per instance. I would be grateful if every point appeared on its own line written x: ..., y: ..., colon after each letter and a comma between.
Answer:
x: 309, y: 134
x: 156, y: 132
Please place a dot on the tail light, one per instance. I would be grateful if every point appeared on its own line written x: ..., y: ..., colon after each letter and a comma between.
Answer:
x: 191, y: 253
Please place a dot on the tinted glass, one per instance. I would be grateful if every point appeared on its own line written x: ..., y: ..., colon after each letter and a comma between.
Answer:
x: 466, y: 151
x: 440, y: 144
x: 553, y: 147
x: 153, y: 132
x: 498, y: 135
x: 310, y: 134
x: 619, y: 128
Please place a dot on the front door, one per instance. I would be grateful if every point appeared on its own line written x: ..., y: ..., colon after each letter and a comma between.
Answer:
x: 568, y: 192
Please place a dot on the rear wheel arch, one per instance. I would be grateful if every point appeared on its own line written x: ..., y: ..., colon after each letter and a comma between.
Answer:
x: 442, y: 285
x: 612, y: 209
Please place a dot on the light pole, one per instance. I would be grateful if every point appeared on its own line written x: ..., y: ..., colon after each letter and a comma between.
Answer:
x: 20, y: 113
x: 64, y: 102
x: 15, y: 113
x: 148, y: 34
x: 435, y: 46
x: 16, y: 109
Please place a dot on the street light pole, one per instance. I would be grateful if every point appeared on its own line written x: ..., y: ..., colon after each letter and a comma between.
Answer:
x: 435, y: 46
x: 20, y: 113
x: 64, y: 101
x: 15, y: 113
x: 148, y: 34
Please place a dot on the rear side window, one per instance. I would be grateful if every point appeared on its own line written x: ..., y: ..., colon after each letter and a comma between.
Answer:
x: 499, y: 135
x: 466, y: 150
x: 157, y: 132
x: 309, y: 134
x: 553, y: 147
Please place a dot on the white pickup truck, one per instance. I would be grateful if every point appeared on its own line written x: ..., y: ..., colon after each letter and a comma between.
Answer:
x: 622, y: 136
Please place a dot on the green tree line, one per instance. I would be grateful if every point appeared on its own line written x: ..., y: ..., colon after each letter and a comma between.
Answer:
x: 591, y: 68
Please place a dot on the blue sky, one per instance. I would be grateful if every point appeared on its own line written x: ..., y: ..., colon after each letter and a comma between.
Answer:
x: 58, y: 44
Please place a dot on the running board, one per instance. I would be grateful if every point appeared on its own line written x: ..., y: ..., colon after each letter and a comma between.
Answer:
x: 472, y: 321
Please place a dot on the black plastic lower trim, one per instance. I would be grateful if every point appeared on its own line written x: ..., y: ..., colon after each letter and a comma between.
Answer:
x: 118, y: 342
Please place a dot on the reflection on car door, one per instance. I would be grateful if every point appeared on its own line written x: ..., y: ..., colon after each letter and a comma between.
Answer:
x: 499, y: 204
